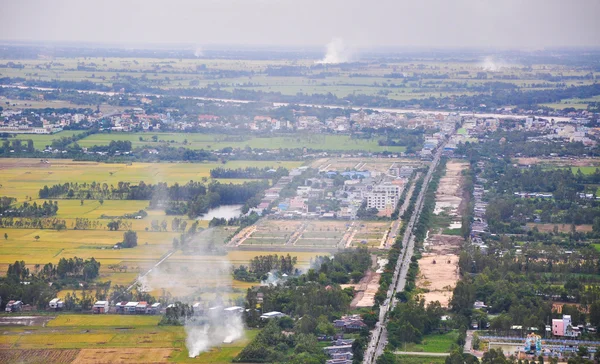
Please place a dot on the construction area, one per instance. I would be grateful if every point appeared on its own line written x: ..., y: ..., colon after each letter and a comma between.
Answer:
x: 326, y: 235
x: 377, y: 165
x: 438, y: 267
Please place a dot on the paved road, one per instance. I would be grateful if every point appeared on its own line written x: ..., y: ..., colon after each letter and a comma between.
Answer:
x: 378, y: 340
x: 396, y: 224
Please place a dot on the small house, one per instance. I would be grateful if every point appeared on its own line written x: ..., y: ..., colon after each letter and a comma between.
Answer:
x: 130, y: 308
x: 100, y: 307
x: 479, y: 305
x: 154, y: 309
x: 56, y: 304
x: 141, y: 307
x: 14, y: 306
x: 120, y: 307
x: 233, y: 310
x: 272, y: 314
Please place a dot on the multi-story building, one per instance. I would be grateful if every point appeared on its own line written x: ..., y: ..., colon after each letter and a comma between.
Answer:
x: 383, y: 196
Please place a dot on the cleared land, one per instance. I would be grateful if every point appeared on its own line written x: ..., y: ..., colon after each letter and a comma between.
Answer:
x: 326, y: 235
x: 438, y: 267
x: 379, y: 165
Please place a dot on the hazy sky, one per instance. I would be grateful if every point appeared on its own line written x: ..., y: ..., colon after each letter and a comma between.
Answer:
x: 447, y: 23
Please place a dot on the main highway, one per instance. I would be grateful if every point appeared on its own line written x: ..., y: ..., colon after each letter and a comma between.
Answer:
x: 379, y: 335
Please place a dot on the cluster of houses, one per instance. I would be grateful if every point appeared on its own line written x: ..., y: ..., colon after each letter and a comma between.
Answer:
x: 350, y: 323
x: 17, y: 122
x: 128, y: 308
x: 340, y: 351
x: 320, y: 197
x: 479, y: 226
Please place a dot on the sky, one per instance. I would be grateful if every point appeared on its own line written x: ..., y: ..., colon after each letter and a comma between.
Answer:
x: 515, y: 24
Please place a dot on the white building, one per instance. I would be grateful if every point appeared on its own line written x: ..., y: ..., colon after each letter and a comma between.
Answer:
x: 383, y: 196
x: 272, y: 314
x: 56, y: 304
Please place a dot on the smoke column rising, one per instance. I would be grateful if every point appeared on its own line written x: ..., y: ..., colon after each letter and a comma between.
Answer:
x: 190, y: 278
x: 220, y: 328
x: 337, y: 52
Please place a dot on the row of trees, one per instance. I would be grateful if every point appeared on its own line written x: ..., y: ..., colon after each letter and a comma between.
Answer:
x: 249, y: 172
x: 8, y: 208
x: 261, y: 265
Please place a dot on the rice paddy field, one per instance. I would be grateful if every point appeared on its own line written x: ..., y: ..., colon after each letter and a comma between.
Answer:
x: 71, y: 338
x: 22, y: 179
x: 220, y: 141
x: 374, y: 76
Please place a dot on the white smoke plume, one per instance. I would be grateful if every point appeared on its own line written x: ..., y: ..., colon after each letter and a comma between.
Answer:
x: 198, y: 52
x: 274, y: 278
x: 189, y: 279
x: 218, y: 328
x: 337, y: 52
x: 492, y: 65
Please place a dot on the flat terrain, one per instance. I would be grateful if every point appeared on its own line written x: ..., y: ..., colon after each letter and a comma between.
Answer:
x: 106, y: 339
x: 314, y: 235
x: 22, y: 179
x: 220, y: 141
x: 438, y: 267
x: 379, y: 165
x: 450, y: 78
x: 434, y: 343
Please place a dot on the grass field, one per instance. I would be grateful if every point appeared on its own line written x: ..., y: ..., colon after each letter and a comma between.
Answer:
x: 219, y: 141
x: 40, y: 141
x: 434, y: 343
x: 407, y: 359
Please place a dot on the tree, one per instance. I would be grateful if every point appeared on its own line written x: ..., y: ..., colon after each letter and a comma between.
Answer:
x: 129, y: 239
x: 37, y: 237
x: 5, y: 236
x: 387, y: 358
x: 81, y: 202
x: 583, y: 351
x: 101, y: 202
x: 113, y: 225
x: 494, y: 357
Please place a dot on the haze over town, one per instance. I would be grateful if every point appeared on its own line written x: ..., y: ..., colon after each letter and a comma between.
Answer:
x: 321, y: 182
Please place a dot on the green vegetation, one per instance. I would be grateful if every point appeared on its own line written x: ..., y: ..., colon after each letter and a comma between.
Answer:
x: 433, y: 343
x: 220, y: 141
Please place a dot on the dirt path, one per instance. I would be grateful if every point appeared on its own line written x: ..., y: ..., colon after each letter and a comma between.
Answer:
x: 367, y: 287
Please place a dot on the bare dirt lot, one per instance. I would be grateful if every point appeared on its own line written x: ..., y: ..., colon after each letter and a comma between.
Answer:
x: 563, y: 228
x: 449, y: 193
x: 368, y: 286
x: 438, y: 268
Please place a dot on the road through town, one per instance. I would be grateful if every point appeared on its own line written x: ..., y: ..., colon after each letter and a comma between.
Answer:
x: 379, y: 335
